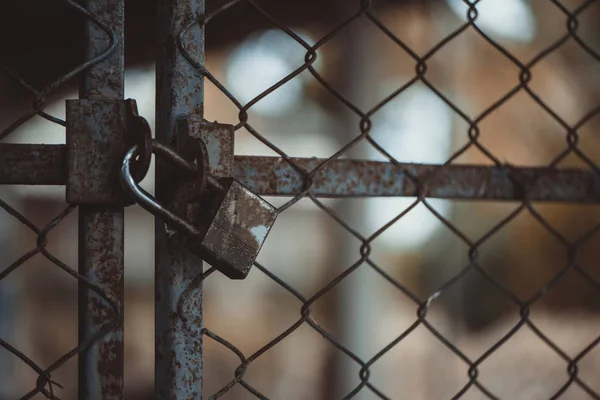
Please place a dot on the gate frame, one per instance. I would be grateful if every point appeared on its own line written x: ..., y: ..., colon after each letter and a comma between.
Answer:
x: 178, y: 359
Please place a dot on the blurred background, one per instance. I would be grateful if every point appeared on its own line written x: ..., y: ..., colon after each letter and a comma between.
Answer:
x: 307, y: 248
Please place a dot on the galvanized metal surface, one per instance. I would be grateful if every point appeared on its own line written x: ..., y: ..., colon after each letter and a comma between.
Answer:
x: 101, y: 228
x: 272, y: 176
x: 178, y: 311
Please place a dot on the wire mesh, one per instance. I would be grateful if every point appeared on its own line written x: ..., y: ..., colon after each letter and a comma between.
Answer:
x: 362, y: 11
x: 45, y: 385
x: 422, y: 305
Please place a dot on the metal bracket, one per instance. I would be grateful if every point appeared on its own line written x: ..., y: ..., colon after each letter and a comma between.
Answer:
x: 218, y: 139
x: 98, y: 134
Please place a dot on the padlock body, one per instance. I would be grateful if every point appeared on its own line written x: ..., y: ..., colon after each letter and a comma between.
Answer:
x: 234, y: 225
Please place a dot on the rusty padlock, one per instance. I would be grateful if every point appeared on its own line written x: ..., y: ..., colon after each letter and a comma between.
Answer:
x: 233, y: 223
x: 228, y: 223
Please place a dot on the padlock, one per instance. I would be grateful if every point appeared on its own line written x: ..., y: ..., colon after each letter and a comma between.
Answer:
x: 233, y: 224
x: 226, y: 224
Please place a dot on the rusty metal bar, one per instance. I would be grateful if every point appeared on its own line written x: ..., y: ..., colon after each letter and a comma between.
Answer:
x: 101, y: 228
x: 179, y: 89
x: 356, y: 178
x: 33, y: 164
x: 27, y: 164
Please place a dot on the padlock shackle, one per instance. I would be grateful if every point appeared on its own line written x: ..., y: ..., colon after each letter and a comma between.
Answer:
x: 189, y: 168
x: 230, y: 237
x: 147, y: 201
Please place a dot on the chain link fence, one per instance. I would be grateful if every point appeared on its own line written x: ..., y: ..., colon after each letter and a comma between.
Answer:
x: 349, y: 35
x: 362, y: 128
x: 41, y: 88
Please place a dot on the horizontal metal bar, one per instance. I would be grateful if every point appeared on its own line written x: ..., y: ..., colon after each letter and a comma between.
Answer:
x: 33, y: 164
x: 46, y: 165
x: 358, y: 178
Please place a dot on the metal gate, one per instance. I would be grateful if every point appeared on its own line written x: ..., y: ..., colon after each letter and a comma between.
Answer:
x: 99, y: 131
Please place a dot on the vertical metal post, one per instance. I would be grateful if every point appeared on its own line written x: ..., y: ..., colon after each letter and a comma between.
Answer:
x: 179, y: 88
x: 101, y: 228
x: 9, y: 304
x: 355, y: 311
